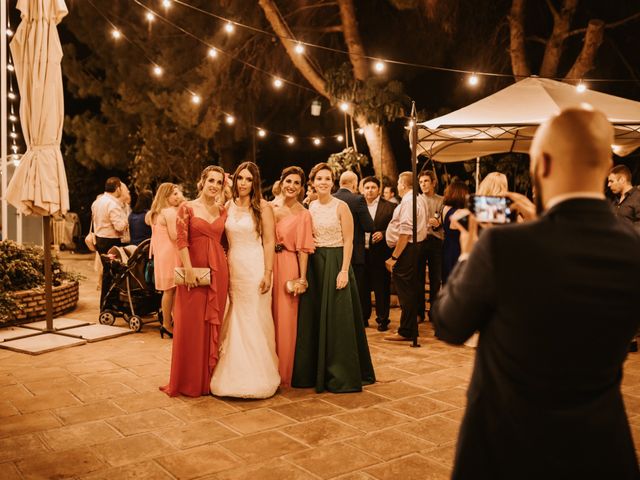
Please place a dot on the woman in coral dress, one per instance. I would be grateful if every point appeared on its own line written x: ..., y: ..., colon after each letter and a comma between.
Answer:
x: 198, y: 310
x: 294, y: 243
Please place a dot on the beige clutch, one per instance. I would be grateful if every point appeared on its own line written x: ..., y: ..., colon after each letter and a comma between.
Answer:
x: 203, y: 276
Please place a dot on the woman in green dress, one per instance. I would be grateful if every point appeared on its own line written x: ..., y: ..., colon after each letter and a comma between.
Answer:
x: 331, y: 345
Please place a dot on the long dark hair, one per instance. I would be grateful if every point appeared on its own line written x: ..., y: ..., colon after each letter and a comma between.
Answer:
x: 455, y: 194
x: 256, y: 191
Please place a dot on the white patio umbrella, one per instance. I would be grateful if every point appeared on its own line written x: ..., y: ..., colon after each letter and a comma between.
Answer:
x: 39, y: 184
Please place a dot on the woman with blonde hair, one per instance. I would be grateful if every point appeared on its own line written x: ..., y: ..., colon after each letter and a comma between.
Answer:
x: 161, y: 217
x: 494, y: 184
x: 199, y: 306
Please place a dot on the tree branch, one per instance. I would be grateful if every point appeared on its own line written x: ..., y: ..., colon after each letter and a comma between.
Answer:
x: 622, y: 21
x: 553, y: 10
x: 592, y: 41
x: 331, y: 29
x: 537, y: 39
x: 353, y: 40
x: 555, y: 45
x: 517, y: 51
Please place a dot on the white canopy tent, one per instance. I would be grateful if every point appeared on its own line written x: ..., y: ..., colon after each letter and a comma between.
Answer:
x: 507, y: 120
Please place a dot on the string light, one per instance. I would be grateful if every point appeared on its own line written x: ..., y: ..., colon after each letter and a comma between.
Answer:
x: 277, y: 82
x: 229, y: 27
x: 14, y: 148
x: 379, y: 66
x: 340, y: 138
x: 115, y: 33
x: 213, y: 53
x: 411, y: 124
x: 344, y: 106
x: 158, y: 71
x: 261, y: 133
x: 150, y: 16
x: 13, y: 135
x: 317, y: 141
x: 291, y: 140
x: 299, y: 48
x: 9, y: 32
x: 195, y: 99
x: 361, y: 131
x: 473, y: 80
x: 10, y: 67
x: 166, y: 3
x: 230, y: 119
x: 11, y: 95
x: 13, y: 118
x: 581, y: 87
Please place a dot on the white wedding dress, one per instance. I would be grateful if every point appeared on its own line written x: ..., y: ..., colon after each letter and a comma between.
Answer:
x: 248, y: 365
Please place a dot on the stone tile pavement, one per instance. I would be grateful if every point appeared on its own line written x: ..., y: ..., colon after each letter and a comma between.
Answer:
x: 95, y: 412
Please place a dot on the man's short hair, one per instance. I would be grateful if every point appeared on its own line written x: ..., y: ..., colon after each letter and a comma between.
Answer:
x: 348, y: 177
x: 623, y: 171
x: 112, y: 184
x: 371, y: 179
x: 429, y: 173
x: 407, y: 179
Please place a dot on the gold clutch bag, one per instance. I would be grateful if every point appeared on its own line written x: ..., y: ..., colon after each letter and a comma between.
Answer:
x: 203, y: 276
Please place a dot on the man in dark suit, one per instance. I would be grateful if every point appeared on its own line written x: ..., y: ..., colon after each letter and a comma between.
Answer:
x: 376, y: 276
x: 362, y: 222
x: 556, y: 302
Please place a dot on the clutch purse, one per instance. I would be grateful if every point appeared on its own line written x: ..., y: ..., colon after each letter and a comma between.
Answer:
x: 203, y: 276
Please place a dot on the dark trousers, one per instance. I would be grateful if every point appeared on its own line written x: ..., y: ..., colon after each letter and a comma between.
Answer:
x: 102, y: 247
x: 378, y: 279
x: 358, y: 272
x: 431, y: 257
x: 409, y: 290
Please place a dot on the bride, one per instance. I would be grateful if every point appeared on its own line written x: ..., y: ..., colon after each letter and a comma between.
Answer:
x: 248, y: 365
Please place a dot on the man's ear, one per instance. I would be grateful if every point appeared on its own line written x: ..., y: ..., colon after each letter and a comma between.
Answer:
x: 545, y: 165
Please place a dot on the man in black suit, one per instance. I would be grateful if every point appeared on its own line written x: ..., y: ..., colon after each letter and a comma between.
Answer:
x: 362, y: 222
x: 556, y: 303
x: 376, y: 277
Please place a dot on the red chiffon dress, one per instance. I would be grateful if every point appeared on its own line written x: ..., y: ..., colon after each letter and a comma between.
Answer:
x: 198, y: 312
x: 295, y: 234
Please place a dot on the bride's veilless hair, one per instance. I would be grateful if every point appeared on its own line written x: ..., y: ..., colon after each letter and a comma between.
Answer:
x: 203, y: 178
x: 293, y: 170
x: 256, y: 192
x: 160, y: 201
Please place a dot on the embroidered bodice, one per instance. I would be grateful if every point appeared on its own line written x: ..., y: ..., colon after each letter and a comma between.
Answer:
x: 327, y: 230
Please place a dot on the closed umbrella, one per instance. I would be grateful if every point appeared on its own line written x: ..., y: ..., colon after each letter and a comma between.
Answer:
x: 39, y: 185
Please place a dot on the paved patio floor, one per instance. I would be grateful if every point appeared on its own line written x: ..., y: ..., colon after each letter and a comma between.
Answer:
x: 95, y: 412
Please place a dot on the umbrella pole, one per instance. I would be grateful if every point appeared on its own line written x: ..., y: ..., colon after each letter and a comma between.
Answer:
x: 477, y: 173
x: 414, y: 212
x: 48, y: 274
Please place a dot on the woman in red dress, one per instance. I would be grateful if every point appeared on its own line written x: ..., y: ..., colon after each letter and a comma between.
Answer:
x: 199, y: 310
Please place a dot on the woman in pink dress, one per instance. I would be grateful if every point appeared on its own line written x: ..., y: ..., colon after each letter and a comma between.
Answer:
x: 162, y: 219
x: 294, y: 243
x: 198, y: 310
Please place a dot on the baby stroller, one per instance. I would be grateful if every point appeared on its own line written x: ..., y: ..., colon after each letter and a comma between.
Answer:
x: 129, y: 295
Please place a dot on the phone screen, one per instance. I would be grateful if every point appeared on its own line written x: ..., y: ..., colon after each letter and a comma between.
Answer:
x: 488, y: 209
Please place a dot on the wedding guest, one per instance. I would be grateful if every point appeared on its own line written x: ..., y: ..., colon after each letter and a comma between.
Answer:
x: 390, y: 194
x: 125, y: 200
x: 199, y: 309
x: 162, y: 220
x: 310, y: 196
x: 248, y: 366
x: 276, y: 191
x: 138, y: 228
x: 294, y: 243
x: 454, y: 199
x: 494, y: 184
x: 331, y: 347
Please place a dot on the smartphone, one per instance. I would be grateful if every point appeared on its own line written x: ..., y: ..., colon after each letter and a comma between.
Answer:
x: 488, y: 209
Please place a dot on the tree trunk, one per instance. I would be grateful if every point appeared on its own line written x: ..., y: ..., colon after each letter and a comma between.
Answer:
x: 519, y: 64
x: 592, y: 41
x: 384, y: 163
x: 555, y: 44
x: 353, y: 40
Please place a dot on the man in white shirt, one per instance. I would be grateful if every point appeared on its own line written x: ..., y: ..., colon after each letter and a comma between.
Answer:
x: 109, y: 222
x: 404, y: 259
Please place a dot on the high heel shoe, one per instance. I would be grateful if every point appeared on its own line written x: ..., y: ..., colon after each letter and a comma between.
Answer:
x: 163, y: 331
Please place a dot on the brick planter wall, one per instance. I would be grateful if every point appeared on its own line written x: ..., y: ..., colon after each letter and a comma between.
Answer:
x: 32, y: 302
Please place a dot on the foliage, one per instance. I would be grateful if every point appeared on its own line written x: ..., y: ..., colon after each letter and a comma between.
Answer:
x: 347, y: 159
x: 379, y: 102
x: 22, y: 268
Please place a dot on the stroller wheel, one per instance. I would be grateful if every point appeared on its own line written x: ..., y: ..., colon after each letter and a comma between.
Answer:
x: 135, y: 323
x: 63, y: 247
x: 107, y: 317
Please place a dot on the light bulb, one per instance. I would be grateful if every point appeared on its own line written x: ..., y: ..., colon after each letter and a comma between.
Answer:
x: 291, y: 140
x: 13, y: 118
x: 379, y: 66
x: 195, y: 99
x: 10, y: 67
x: 277, y: 83
x: 411, y: 123
x: 317, y: 141
x: 166, y: 3
x: 344, y: 106
x: 158, y: 71
x: 581, y: 87
x: 115, y: 33
x: 229, y: 27
x: 299, y: 48
x: 14, y: 148
x: 473, y: 80
x: 230, y: 119
x: 262, y: 133
x: 13, y: 135
x: 361, y: 131
x: 340, y: 138
x: 213, y: 53
x: 9, y: 32
x: 11, y: 95
x: 150, y: 17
